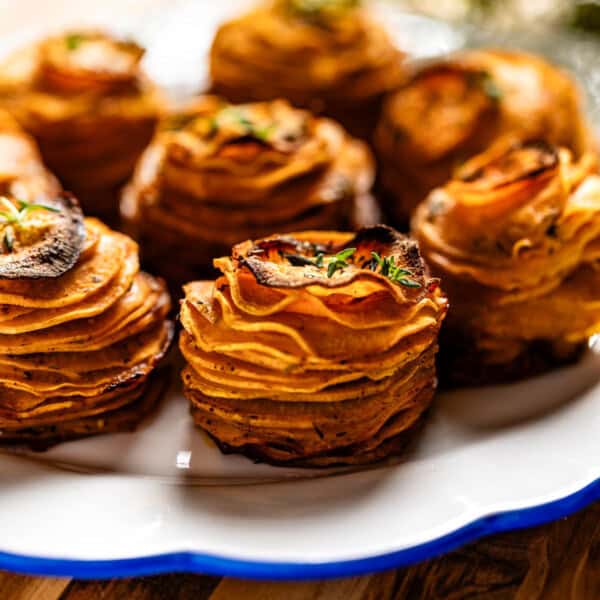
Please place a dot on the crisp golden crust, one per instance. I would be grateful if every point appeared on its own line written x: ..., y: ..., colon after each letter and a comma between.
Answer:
x: 45, y: 245
x: 217, y: 174
x: 41, y: 227
x: 291, y: 261
x: 329, y: 57
x: 452, y: 109
x: 85, y: 99
x: 310, y: 350
x: 515, y: 238
x: 77, y: 350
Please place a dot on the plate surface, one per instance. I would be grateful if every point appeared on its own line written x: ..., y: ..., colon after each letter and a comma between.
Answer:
x: 165, y: 499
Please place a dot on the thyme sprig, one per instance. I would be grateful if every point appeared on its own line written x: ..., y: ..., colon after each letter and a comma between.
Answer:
x: 339, y: 261
x: 314, y: 9
x: 250, y: 128
x: 14, y: 216
x: 388, y: 268
x: 73, y: 41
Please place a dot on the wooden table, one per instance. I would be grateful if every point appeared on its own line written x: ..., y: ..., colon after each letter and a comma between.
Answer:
x: 559, y: 561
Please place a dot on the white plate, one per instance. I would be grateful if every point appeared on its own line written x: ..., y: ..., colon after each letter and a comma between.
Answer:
x: 165, y: 499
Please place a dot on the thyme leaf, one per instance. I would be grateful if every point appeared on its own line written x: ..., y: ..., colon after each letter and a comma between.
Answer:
x: 336, y: 262
x: 73, y: 41
x: 297, y: 260
x: 395, y: 273
x: 16, y: 215
x: 261, y: 133
x: 411, y: 283
x: 314, y: 9
x: 26, y: 207
x: 345, y: 254
x: 339, y: 261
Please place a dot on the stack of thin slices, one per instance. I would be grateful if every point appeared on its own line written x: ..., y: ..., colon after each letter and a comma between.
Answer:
x: 81, y: 328
x: 90, y: 108
x: 216, y: 174
x: 325, y: 55
x: 526, y: 290
x: 315, y: 348
x: 310, y: 330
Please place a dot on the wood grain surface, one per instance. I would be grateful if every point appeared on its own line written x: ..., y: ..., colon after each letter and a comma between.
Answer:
x: 559, y: 561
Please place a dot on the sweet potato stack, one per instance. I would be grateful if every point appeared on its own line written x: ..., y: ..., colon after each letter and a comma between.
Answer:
x: 451, y: 109
x: 217, y: 174
x: 81, y: 328
x: 329, y: 56
x: 315, y: 348
x: 515, y: 236
x: 92, y: 111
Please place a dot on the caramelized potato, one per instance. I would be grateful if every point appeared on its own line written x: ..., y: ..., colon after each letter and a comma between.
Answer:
x: 314, y: 348
x: 328, y: 56
x: 217, y: 174
x: 515, y: 237
x: 452, y: 109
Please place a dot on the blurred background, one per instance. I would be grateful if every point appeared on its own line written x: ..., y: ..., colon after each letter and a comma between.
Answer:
x: 178, y: 32
x: 564, y: 14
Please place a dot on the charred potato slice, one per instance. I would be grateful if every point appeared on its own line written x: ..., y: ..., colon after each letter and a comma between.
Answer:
x: 40, y: 239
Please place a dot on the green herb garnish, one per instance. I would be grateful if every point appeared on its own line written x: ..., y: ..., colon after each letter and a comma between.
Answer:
x: 490, y: 88
x: 388, y: 268
x: 14, y: 216
x: 73, y: 41
x: 261, y: 133
x: 315, y: 9
x: 486, y: 83
x: 297, y: 260
x: 339, y: 261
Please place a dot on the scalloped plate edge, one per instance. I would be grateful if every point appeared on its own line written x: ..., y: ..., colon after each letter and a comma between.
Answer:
x: 208, y: 564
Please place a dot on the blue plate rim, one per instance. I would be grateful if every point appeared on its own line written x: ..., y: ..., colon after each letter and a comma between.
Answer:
x: 208, y: 564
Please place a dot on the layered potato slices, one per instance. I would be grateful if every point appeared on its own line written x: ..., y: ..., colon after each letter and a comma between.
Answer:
x: 217, y: 174
x: 313, y: 348
x: 91, y: 109
x: 326, y: 55
x: 453, y: 108
x: 81, y: 328
x: 515, y: 235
